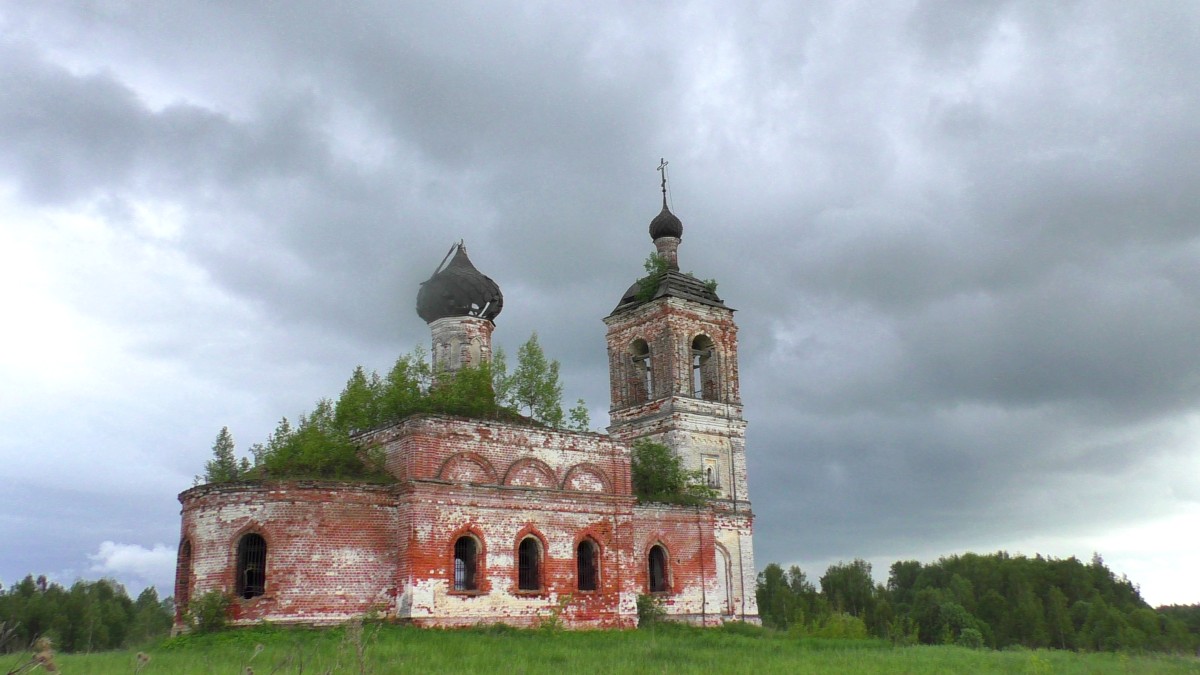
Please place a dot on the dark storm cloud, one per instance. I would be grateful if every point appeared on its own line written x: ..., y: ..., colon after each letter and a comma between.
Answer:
x: 961, y: 238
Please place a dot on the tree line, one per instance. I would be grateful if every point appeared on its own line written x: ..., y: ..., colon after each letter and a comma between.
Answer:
x: 996, y: 600
x: 88, y: 616
x: 321, y: 444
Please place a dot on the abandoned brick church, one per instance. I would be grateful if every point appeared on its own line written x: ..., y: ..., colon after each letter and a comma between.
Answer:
x: 491, y: 521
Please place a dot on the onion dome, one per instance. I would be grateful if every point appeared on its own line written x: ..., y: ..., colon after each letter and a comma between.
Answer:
x: 666, y: 224
x: 458, y: 289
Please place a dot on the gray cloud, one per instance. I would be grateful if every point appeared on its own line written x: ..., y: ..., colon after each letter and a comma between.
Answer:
x: 961, y: 239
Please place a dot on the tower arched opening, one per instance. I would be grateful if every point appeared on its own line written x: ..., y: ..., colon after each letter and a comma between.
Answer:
x: 642, y: 380
x: 705, y: 375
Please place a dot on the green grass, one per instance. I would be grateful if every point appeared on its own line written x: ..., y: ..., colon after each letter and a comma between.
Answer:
x: 670, y: 649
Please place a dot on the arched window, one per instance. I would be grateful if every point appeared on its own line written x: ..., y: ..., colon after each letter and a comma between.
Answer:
x: 475, y: 352
x: 587, y: 567
x: 251, y: 566
x: 529, y: 565
x: 724, y: 598
x: 466, y: 564
x: 658, y: 569
x: 712, y: 473
x: 183, y: 576
x: 642, y: 382
x: 705, y: 382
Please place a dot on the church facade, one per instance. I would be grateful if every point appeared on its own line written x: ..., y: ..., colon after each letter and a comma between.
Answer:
x: 489, y: 521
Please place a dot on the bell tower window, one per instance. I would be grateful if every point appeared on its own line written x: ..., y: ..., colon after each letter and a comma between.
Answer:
x: 642, y: 382
x: 705, y: 382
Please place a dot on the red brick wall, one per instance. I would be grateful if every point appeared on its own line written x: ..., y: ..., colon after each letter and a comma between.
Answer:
x: 440, y: 447
x: 339, y: 550
x: 669, y: 325
x: 331, y: 547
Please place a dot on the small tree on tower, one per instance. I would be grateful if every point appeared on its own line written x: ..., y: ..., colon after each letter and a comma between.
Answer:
x: 534, y: 384
x: 223, y: 467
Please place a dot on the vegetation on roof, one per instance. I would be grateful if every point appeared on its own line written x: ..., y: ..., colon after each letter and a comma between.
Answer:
x: 321, y: 444
x: 657, y: 268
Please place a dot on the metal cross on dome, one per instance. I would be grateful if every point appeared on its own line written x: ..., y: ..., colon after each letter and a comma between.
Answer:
x: 662, y: 170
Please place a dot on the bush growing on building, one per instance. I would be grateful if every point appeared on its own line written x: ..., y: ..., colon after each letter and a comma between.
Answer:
x: 578, y: 418
x: 658, y: 476
x: 208, y: 612
x: 321, y: 444
x: 223, y: 467
x: 649, y: 610
x: 534, y: 385
x: 656, y: 267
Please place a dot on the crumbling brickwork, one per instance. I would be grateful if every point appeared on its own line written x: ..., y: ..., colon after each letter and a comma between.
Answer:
x: 491, y: 521
x: 331, y: 547
x: 337, y: 550
x: 461, y: 341
x: 693, y: 407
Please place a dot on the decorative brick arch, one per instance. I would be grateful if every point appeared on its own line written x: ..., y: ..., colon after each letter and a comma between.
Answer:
x: 483, y: 584
x: 531, y: 473
x: 468, y: 467
x: 598, y: 534
x: 587, y: 477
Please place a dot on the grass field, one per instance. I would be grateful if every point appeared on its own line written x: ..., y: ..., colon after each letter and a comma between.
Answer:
x: 670, y: 649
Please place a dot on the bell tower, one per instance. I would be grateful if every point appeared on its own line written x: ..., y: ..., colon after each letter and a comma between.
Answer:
x: 673, y: 377
x: 673, y: 368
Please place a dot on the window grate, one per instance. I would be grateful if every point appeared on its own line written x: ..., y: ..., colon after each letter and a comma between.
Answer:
x: 465, y: 559
x: 585, y: 562
x: 529, y: 565
x: 252, y: 566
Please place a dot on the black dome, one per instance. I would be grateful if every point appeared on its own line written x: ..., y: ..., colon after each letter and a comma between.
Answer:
x: 458, y: 289
x: 665, y: 224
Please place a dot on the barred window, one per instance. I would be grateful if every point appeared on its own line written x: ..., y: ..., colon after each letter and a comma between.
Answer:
x: 658, y: 569
x: 251, y: 566
x: 466, y: 564
x: 529, y: 565
x: 586, y: 567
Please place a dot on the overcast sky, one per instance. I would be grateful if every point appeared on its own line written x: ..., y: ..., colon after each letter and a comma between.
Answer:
x: 962, y: 239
